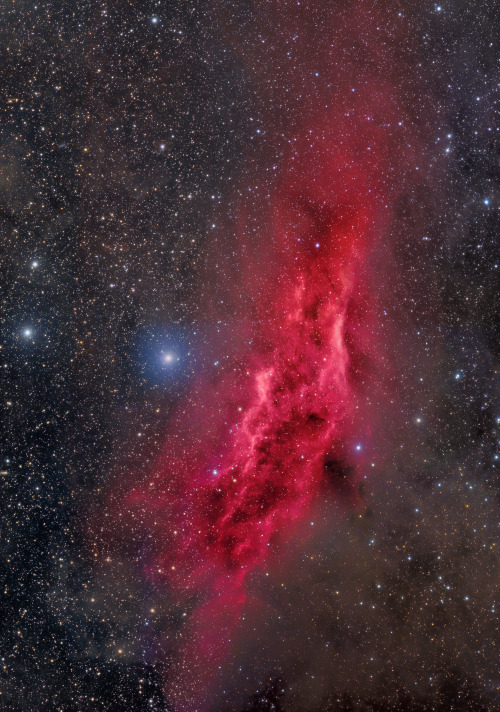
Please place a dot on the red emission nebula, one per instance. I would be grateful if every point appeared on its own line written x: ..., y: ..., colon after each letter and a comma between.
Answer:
x: 247, y: 453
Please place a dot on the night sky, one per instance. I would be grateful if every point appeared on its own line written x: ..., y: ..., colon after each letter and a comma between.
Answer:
x: 250, y: 356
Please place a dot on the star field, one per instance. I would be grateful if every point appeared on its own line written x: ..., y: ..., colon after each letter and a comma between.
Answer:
x: 249, y: 356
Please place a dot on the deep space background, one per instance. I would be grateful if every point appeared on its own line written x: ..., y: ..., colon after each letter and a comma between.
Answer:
x: 138, y: 142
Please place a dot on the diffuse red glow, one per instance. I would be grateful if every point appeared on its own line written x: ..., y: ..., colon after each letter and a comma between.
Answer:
x: 246, y: 456
x: 270, y: 437
x: 299, y: 394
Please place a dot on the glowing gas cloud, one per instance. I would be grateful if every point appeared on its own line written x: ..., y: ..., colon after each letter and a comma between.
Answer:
x: 249, y: 450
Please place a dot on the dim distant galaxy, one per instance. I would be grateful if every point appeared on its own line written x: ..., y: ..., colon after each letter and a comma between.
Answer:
x: 250, y: 356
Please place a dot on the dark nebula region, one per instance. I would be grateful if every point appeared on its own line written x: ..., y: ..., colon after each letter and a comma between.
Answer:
x: 240, y: 470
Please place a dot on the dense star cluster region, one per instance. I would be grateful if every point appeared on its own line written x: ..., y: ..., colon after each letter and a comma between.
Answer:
x: 250, y: 356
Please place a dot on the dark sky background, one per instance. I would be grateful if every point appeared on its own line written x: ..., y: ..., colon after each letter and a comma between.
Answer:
x: 138, y: 142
